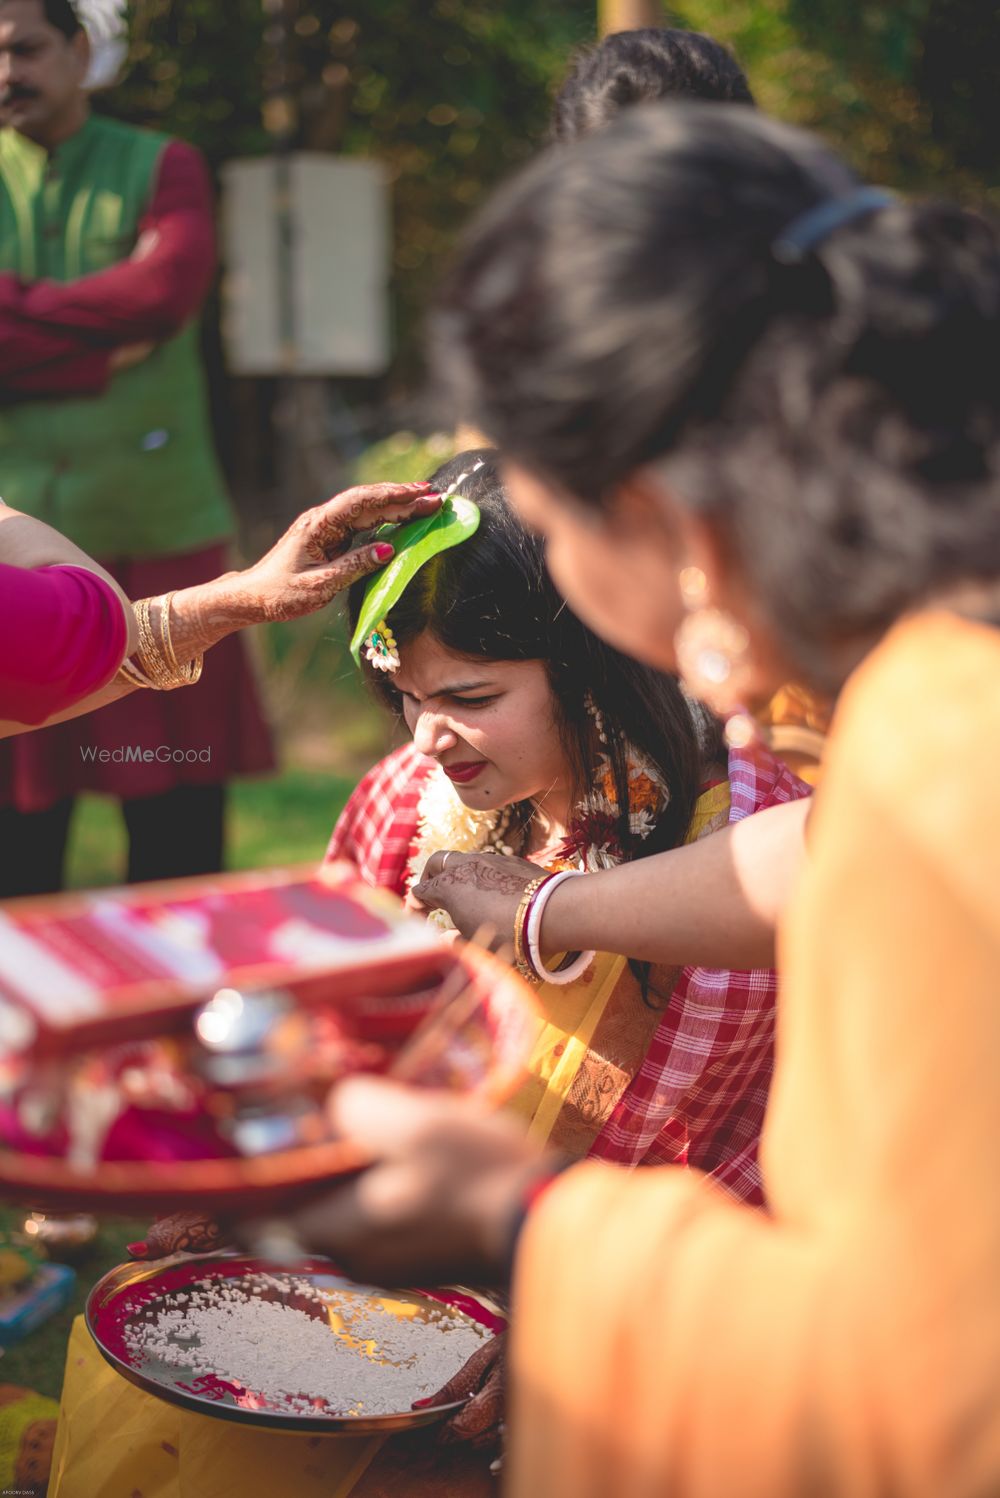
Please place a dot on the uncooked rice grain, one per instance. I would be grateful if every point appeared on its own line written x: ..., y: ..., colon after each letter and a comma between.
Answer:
x: 379, y: 1363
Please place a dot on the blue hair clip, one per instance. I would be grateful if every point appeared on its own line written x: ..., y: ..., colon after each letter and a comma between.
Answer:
x: 807, y: 231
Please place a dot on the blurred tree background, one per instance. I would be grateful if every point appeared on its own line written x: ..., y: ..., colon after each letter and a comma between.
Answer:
x: 909, y: 90
x: 452, y: 94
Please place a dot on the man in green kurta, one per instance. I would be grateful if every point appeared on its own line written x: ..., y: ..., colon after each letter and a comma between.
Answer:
x: 107, y: 251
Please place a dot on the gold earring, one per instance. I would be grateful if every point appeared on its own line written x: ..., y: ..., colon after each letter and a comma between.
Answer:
x: 713, y: 657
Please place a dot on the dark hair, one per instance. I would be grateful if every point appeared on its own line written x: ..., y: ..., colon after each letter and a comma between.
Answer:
x: 492, y: 598
x: 633, y: 67
x: 619, y: 304
x: 61, y: 15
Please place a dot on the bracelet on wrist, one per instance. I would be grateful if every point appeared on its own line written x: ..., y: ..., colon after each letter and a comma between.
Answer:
x: 190, y: 672
x: 131, y: 676
x: 577, y: 964
x: 155, y: 666
x: 522, y: 959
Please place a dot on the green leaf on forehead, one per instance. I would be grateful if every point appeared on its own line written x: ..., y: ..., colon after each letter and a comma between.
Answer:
x: 416, y: 544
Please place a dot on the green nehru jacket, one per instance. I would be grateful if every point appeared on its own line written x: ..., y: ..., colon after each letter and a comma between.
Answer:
x: 130, y: 472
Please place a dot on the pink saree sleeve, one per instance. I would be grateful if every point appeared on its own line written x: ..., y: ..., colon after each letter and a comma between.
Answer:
x: 63, y: 635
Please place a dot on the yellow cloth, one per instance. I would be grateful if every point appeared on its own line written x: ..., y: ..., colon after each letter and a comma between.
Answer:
x: 596, y: 1033
x: 668, y: 1341
x: 114, y: 1441
x: 27, y: 1422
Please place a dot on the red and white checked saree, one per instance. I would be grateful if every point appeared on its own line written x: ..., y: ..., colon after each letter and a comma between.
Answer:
x: 678, y: 1082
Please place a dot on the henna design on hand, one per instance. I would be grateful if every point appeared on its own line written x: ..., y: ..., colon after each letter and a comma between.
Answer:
x: 183, y: 1232
x: 361, y: 509
x: 482, y: 1383
x: 484, y: 874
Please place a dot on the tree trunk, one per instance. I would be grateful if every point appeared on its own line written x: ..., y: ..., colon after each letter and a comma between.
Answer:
x: 628, y: 15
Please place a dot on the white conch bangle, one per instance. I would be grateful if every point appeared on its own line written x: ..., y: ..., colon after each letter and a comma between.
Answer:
x: 566, y: 975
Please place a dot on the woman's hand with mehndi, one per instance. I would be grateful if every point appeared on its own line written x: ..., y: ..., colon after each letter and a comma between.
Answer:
x: 478, y: 890
x: 180, y: 1232
x: 313, y: 560
x: 481, y: 1384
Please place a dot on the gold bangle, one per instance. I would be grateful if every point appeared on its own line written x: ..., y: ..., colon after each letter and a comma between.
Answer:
x: 130, y: 675
x: 190, y: 673
x: 522, y: 961
x: 150, y: 658
x: 168, y: 644
x: 154, y: 657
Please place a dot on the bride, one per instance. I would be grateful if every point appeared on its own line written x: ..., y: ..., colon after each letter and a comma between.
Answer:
x: 531, y: 736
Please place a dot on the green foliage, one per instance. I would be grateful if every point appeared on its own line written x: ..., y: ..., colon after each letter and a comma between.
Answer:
x: 908, y: 90
x: 453, y: 94
x: 196, y: 70
x: 403, y: 458
x: 275, y: 822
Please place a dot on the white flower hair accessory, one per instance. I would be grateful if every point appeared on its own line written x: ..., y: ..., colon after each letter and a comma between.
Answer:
x: 106, y: 25
x: 381, y: 649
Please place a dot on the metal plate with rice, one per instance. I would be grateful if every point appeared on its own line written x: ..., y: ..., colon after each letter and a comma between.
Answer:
x: 289, y: 1349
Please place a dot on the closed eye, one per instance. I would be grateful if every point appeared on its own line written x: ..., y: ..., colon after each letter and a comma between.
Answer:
x: 407, y: 699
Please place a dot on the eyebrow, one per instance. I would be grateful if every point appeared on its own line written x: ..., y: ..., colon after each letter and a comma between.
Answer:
x: 458, y: 688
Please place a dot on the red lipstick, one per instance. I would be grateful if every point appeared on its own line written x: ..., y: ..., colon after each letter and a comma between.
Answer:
x: 464, y: 774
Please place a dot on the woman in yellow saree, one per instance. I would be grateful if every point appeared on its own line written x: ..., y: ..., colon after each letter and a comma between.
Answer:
x: 755, y: 409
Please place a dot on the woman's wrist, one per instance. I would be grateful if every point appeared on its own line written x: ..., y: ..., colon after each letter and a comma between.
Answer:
x: 560, y: 929
x: 203, y: 615
x: 534, y: 903
x: 528, y: 1189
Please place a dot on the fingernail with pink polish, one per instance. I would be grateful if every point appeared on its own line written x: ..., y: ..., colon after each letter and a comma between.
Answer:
x: 138, y: 1250
x: 385, y: 553
x: 422, y: 1404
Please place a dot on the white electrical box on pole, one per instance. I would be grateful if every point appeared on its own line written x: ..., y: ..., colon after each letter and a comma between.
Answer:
x: 307, y: 261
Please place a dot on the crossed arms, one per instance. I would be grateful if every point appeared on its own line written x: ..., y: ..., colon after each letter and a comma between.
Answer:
x: 63, y: 339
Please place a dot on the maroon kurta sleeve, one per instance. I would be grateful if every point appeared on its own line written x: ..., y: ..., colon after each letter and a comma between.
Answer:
x: 58, y: 337
x: 37, y: 363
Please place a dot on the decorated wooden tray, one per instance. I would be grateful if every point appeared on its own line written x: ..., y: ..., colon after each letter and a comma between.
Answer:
x: 129, y: 1083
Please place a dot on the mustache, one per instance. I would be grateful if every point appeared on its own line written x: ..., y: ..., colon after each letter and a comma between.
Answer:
x: 15, y: 94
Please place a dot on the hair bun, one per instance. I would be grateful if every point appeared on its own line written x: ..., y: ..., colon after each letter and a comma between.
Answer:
x: 917, y: 308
